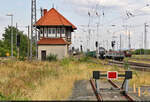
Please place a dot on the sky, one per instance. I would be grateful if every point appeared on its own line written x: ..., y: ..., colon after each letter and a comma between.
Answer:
x: 93, y: 18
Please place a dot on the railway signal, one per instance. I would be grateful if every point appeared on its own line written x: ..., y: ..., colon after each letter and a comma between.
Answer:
x: 113, y: 44
x: 96, y: 43
x: 18, y: 44
x: 81, y: 48
x: 18, y: 40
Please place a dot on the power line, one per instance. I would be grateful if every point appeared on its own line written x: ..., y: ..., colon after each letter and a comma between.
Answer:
x: 117, y: 18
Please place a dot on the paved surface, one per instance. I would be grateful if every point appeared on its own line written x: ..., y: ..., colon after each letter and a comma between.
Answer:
x: 83, y: 91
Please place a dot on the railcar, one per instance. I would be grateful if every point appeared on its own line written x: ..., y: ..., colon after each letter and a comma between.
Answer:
x: 115, y: 55
x: 127, y: 53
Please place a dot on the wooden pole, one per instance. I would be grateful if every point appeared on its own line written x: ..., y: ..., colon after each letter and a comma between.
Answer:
x: 134, y: 88
x: 18, y: 52
x: 139, y: 91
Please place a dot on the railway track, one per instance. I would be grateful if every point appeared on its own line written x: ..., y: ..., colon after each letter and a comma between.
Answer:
x: 140, y: 59
x: 115, y: 93
x: 134, y: 65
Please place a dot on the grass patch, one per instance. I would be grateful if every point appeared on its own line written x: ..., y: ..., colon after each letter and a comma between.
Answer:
x: 126, y: 64
x: 65, y: 61
x: 84, y: 59
x: 23, y: 80
x: 2, y: 97
x: 51, y: 57
x: 141, y: 56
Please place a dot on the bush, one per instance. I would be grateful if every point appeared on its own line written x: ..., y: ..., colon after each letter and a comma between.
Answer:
x: 3, y: 52
x: 141, y: 51
x: 21, y: 58
x: 84, y: 59
x: 51, y: 57
x: 65, y: 61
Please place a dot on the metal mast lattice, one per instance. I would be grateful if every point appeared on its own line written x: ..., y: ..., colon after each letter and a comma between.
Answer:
x: 33, y: 29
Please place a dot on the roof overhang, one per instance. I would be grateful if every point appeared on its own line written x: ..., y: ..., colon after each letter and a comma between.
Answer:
x: 52, y: 41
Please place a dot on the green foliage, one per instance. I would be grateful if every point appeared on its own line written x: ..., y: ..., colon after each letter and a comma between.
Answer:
x: 5, y: 43
x: 65, y: 61
x: 136, y: 74
x: 51, y: 57
x: 126, y: 65
x: 141, y: 51
x: 21, y: 58
x: 2, y: 97
x: 84, y: 59
x: 3, y: 52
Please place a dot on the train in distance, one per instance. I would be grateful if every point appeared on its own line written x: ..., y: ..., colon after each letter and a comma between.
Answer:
x: 115, y: 55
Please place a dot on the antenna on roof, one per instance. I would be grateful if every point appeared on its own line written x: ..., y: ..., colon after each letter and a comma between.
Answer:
x: 53, y: 5
x: 41, y: 9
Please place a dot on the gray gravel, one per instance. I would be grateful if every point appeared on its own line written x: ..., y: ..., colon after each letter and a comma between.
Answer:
x: 83, y: 91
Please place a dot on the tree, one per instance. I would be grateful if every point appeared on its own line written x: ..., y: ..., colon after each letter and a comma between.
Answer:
x: 5, y: 43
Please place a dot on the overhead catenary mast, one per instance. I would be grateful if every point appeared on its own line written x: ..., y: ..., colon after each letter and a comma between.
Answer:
x: 120, y: 42
x: 145, y: 35
x: 129, y: 41
x: 89, y: 31
x: 33, y: 29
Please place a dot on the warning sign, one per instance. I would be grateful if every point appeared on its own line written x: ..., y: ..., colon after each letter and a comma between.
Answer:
x: 7, y: 54
x: 111, y: 75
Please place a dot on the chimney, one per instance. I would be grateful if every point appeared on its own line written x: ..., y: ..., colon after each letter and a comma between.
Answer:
x: 45, y: 11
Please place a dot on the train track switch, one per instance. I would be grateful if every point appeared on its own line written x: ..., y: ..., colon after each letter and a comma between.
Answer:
x: 112, y: 75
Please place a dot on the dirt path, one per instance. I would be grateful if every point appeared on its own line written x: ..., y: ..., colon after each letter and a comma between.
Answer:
x: 82, y: 91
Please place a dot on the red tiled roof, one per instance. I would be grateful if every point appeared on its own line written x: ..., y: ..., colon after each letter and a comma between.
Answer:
x: 52, y: 41
x: 54, y: 18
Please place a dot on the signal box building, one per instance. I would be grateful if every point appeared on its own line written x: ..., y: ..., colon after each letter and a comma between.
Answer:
x: 54, y: 34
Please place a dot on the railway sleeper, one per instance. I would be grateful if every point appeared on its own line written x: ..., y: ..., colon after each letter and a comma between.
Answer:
x: 110, y: 89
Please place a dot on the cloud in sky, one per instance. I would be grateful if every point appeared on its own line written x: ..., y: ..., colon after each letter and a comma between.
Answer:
x: 76, y: 11
x: 108, y: 3
x: 2, y: 18
x: 146, y: 10
x: 111, y: 8
x: 83, y: 6
x: 114, y: 10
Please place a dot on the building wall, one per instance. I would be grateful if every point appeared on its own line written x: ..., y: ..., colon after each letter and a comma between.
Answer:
x: 60, y: 50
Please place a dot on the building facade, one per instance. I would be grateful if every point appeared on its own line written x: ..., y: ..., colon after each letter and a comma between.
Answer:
x: 54, y: 35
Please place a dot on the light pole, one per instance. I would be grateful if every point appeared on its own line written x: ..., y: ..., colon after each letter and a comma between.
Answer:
x: 120, y: 43
x: 11, y: 15
x: 114, y: 40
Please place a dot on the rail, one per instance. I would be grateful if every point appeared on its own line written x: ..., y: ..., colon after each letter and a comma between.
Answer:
x: 100, y: 98
x: 134, y: 65
x: 123, y: 90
